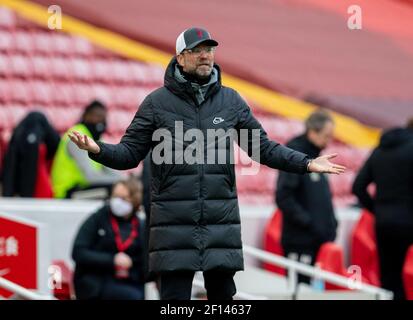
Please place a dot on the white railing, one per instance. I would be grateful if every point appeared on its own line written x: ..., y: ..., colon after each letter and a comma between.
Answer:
x: 22, y: 292
x: 295, y: 267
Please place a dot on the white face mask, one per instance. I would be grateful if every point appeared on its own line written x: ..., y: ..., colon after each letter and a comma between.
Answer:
x: 120, y: 207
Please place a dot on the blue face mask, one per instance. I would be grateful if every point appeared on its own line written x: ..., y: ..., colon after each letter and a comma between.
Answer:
x: 120, y: 207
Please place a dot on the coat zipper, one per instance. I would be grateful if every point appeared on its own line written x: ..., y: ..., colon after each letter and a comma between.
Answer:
x: 201, y: 178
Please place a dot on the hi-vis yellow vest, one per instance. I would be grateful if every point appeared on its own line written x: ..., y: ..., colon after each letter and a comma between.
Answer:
x: 65, y: 171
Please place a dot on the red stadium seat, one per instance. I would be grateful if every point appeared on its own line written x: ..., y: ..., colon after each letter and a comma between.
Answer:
x: 10, y: 116
x: 21, y: 92
x: 6, y: 41
x: 5, y: 95
x: 62, y: 44
x: 153, y: 74
x: 408, y: 274
x: 41, y: 67
x: 81, y: 69
x: 63, y: 280
x: 330, y: 258
x: 364, y: 248
x: 84, y: 94
x: 72, y: 116
x: 102, y: 70
x: 7, y: 18
x: 43, y: 42
x: 118, y: 121
x: 24, y: 42
x: 4, y: 65
x: 64, y: 93
x: 124, y: 97
x: 43, y: 92
x: 60, y: 68
x: 272, y: 241
x: 104, y: 93
x: 43, y: 187
x: 16, y: 114
x: 121, y: 71
x: 4, y: 120
x: 82, y: 47
x: 137, y: 72
x: 140, y: 94
x: 21, y: 66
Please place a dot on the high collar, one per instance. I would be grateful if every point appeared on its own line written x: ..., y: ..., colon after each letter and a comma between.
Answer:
x: 184, y: 88
x: 395, y: 137
x: 303, y: 144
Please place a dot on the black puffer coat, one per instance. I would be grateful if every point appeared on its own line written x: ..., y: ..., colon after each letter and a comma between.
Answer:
x: 390, y: 167
x: 195, y: 222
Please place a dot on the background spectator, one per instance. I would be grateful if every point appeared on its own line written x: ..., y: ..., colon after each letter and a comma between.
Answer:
x: 306, y: 200
x: 72, y: 169
x: 26, y: 170
x: 108, y: 249
x: 390, y: 167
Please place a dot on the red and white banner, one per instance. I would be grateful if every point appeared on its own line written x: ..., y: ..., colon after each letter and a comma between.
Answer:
x: 21, y: 253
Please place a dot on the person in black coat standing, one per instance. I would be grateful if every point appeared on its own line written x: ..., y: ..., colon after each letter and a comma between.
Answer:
x: 109, y: 248
x: 306, y: 200
x: 390, y: 168
x: 195, y: 222
x: 21, y: 160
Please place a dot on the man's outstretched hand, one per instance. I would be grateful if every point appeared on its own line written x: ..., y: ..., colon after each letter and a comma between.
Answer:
x: 323, y: 165
x: 84, y: 142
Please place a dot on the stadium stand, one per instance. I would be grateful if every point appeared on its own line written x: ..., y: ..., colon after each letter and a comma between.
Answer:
x: 58, y: 74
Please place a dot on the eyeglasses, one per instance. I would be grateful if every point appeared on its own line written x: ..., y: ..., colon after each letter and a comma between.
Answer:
x: 198, y: 51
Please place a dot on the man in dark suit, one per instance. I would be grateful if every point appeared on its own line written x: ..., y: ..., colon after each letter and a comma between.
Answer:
x: 306, y: 200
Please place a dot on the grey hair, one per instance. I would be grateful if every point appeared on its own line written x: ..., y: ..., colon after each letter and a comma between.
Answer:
x: 317, y: 120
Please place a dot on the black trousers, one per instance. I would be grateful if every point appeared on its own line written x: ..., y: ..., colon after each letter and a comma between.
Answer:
x: 392, y: 245
x: 118, y: 289
x: 303, y: 254
x: 177, y: 285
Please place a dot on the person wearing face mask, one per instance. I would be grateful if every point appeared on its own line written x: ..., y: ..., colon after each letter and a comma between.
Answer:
x: 305, y: 200
x: 108, y: 249
x: 72, y: 169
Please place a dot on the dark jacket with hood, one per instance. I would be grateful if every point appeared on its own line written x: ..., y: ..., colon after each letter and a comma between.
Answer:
x: 94, y: 250
x: 195, y: 221
x: 22, y: 155
x: 306, y: 204
x: 390, y: 167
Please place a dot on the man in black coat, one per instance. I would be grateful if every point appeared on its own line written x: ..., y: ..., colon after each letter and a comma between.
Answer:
x: 195, y: 222
x: 390, y: 167
x: 306, y: 200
